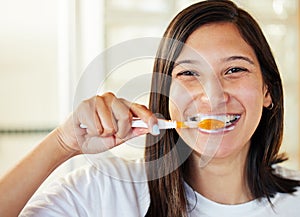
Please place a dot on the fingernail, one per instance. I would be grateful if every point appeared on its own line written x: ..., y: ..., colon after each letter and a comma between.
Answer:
x: 155, y: 130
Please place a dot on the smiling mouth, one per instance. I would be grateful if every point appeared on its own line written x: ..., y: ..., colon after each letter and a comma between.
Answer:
x: 216, y: 123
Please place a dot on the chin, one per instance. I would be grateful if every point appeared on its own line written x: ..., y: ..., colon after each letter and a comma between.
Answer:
x: 216, y: 152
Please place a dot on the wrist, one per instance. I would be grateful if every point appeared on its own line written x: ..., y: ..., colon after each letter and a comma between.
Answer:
x: 64, y: 150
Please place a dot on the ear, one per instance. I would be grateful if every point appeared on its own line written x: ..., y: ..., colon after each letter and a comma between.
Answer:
x: 267, y: 97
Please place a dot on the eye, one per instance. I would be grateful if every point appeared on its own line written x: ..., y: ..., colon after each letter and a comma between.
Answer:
x: 187, y: 73
x: 235, y: 70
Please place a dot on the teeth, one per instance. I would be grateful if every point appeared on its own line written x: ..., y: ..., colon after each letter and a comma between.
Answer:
x: 228, y: 119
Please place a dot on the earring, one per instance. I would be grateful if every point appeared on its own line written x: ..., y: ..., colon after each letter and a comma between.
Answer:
x: 270, y: 107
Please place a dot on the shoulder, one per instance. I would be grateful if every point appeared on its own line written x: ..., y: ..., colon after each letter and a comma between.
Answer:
x: 286, y: 204
x: 94, y: 190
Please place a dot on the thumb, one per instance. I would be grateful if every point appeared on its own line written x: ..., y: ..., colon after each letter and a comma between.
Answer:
x: 96, y: 144
x: 135, y: 132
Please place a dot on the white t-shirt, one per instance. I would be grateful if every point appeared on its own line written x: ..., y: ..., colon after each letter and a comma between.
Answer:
x: 115, y: 189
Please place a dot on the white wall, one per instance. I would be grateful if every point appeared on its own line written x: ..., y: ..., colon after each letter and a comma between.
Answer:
x: 28, y: 63
x: 44, y: 47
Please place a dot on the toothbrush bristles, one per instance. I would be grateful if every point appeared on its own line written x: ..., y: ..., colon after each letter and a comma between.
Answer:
x: 207, y: 124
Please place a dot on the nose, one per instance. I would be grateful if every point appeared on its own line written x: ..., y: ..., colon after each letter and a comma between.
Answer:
x: 213, y: 96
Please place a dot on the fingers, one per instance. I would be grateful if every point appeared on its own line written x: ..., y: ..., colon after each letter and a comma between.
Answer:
x: 145, y: 115
x: 108, y: 121
x: 105, y: 115
x: 85, y: 114
x: 124, y: 117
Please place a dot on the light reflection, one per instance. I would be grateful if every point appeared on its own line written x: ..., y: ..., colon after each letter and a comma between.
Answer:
x: 278, y: 6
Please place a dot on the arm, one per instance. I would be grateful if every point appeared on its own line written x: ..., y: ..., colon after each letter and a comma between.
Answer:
x: 108, y: 120
x: 17, y: 187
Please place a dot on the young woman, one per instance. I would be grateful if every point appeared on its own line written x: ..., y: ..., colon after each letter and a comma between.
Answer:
x: 242, y: 168
x: 227, y: 171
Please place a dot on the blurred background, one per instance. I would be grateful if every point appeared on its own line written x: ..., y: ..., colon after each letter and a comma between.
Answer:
x: 46, y: 45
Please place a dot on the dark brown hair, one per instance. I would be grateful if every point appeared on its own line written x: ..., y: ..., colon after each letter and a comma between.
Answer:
x: 167, y: 193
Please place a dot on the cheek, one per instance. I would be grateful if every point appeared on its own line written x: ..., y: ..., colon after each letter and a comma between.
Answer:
x: 175, y: 102
x: 179, y: 101
x: 253, y: 96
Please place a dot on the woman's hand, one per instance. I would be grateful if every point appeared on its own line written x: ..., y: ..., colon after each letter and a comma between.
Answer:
x: 108, y: 123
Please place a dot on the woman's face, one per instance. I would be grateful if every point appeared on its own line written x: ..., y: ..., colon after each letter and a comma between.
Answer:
x: 223, y: 80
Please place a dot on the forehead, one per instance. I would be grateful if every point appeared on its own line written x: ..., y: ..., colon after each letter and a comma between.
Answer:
x: 216, y: 40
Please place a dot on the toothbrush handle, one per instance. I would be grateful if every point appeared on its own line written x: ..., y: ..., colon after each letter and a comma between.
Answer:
x: 162, y: 124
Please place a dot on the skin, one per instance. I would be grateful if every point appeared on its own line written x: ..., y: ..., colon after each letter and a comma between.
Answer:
x: 225, y: 79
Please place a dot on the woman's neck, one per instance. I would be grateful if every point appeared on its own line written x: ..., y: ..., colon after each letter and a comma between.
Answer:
x: 221, y: 180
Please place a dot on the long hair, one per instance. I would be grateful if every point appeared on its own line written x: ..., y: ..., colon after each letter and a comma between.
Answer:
x: 167, y: 192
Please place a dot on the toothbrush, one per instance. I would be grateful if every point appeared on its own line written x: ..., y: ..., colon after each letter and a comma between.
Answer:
x: 207, y: 123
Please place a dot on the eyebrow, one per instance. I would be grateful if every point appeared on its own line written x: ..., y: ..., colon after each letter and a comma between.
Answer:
x: 227, y: 59
x: 186, y: 62
x: 232, y: 58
